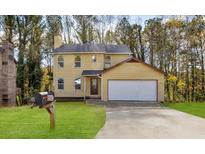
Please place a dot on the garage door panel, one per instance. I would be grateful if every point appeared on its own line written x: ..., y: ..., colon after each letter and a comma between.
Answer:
x: 132, y: 90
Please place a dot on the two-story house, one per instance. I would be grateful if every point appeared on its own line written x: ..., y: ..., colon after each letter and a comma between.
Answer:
x: 107, y: 72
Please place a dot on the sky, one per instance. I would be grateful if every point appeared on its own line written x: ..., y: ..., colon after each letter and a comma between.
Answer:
x: 141, y: 19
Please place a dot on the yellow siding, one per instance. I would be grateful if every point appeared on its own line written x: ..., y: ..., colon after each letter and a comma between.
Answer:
x: 132, y: 71
x: 69, y: 73
x: 116, y: 58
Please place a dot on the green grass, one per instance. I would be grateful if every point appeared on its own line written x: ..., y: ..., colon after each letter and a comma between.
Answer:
x: 197, y: 109
x: 73, y: 120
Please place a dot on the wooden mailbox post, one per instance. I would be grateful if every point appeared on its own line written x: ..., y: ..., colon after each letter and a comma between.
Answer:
x: 46, y: 100
x: 51, y: 110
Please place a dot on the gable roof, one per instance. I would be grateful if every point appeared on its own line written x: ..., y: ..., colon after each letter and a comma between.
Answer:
x: 93, y: 47
x: 132, y: 59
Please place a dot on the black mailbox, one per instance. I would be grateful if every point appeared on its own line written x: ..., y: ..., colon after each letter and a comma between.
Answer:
x: 46, y: 100
x: 43, y: 98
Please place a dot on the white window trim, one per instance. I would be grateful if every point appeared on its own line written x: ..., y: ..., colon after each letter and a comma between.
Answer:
x: 63, y: 84
x: 80, y: 83
x: 107, y: 61
x: 60, y: 61
x: 77, y: 61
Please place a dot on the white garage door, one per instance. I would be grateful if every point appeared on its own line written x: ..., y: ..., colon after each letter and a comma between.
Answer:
x: 138, y: 90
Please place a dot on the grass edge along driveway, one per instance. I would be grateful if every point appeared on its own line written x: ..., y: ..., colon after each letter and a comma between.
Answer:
x: 194, y: 108
x: 73, y: 120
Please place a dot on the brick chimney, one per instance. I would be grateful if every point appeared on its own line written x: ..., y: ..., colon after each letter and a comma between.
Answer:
x: 57, y: 41
x: 7, y: 75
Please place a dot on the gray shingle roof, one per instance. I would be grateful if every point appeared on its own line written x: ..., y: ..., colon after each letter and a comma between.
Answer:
x: 91, y: 72
x: 93, y: 47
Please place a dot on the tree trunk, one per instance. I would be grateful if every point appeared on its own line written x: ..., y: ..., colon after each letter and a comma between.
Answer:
x: 193, y: 79
x: 141, y: 45
x: 202, y: 73
x: 187, y: 93
x: 174, y: 68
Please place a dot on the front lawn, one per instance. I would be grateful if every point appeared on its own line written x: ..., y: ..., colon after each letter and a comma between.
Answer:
x: 73, y: 120
x: 197, y: 109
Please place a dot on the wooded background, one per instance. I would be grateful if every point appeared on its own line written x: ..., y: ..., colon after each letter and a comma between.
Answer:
x: 174, y: 44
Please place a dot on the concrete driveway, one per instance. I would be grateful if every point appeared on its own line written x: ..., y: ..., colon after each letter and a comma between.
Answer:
x: 150, y: 122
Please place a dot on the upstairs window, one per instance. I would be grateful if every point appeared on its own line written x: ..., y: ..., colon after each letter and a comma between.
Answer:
x: 60, y: 61
x: 60, y: 83
x: 78, y: 83
x: 93, y: 58
x: 107, y: 61
x: 77, y: 61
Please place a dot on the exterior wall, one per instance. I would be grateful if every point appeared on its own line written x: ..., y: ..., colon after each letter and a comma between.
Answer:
x: 12, y: 82
x: 132, y: 70
x: 116, y: 58
x: 69, y: 73
x: 7, y: 76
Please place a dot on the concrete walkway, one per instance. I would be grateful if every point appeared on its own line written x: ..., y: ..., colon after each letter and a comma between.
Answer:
x: 150, y: 122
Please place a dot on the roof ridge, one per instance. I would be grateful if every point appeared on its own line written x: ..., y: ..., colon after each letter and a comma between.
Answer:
x: 97, y: 47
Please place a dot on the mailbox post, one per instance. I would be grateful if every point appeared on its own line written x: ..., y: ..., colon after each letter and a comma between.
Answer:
x: 46, y: 100
x: 51, y: 110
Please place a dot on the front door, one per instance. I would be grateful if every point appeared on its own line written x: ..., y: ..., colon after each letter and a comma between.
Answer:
x: 94, y: 86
